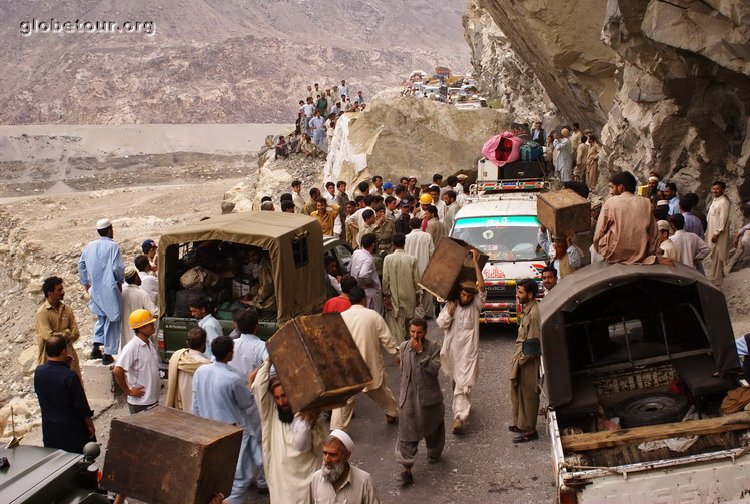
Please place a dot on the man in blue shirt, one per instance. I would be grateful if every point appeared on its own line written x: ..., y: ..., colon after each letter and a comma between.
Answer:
x: 249, y: 354
x: 222, y: 394
x: 102, y: 272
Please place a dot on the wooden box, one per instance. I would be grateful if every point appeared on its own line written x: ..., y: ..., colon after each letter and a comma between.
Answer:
x: 318, y: 362
x: 563, y: 210
x: 450, y: 265
x: 167, y: 456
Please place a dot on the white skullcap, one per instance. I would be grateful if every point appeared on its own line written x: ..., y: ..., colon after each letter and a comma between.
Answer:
x: 653, y: 179
x: 103, y: 224
x: 344, y: 438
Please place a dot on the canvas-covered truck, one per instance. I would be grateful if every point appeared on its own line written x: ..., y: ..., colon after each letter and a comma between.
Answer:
x: 636, y: 361
x: 272, y: 261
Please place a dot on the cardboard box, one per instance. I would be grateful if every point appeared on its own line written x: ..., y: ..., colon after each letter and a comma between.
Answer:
x: 563, y: 210
x: 167, y: 456
x: 450, y: 265
x: 318, y: 362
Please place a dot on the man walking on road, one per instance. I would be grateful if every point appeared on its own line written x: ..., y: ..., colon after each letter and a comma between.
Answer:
x: 222, y: 394
x: 102, y: 272
x: 362, y: 268
x: 420, y: 401
x: 67, y: 420
x: 459, y: 356
x: 717, y: 232
x: 524, y: 366
x: 369, y: 332
x: 401, y: 291
x: 249, y: 355
x: 55, y: 318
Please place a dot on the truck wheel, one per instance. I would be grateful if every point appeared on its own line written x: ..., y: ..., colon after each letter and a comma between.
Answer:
x: 651, y: 409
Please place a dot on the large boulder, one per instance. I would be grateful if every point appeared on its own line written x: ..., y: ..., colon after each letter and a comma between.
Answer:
x: 403, y: 135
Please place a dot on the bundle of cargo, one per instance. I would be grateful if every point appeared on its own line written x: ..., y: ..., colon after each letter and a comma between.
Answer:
x: 450, y: 265
x: 167, y: 456
x: 318, y: 362
x: 562, y: 211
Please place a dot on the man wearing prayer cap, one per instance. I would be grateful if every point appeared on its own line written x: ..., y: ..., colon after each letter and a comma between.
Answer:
x: 102, y: 272
x: 337, y: 480
x: 133, y: 298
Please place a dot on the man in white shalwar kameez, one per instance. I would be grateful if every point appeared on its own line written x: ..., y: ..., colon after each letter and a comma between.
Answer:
x: 369, y: 332
x: 689, y: 249
x: 564, y: 160
x: 460, y: 350
x: 717, y: 232
x: 419, y: 244
x: 401, y: 291
x: 362, y: 268
x: 292, y: 445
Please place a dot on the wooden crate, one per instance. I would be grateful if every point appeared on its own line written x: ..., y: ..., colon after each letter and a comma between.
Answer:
x: 318, y: 362
x: 563, y: 210
x: 450, y: 265
x: 167, y: 456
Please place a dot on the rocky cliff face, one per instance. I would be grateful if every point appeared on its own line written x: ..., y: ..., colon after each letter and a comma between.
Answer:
x: 501, y: 73
x: 666, y: 83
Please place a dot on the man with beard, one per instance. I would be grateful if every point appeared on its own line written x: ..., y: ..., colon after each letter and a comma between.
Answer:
x: 337, y: 480
x: 222, y: 394
x: 524, y: 366
x: 292, y: 445
x: 460, y: 353
x: 421, y: 401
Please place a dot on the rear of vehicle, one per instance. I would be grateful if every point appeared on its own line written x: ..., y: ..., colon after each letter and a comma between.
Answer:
x: 37, y: 475
x: 637, y: 359
x: 505, y: 228
x: 289, y: 245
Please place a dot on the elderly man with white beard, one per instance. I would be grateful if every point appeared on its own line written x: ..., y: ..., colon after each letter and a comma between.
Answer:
x: 337, y: 480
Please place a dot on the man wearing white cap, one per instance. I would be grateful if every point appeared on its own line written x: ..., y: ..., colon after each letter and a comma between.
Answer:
x: 133, y: 298
x: 102, y: 272
x: 337, y: 480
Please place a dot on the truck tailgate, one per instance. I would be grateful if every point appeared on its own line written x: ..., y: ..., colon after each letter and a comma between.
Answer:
x: 704, y: 479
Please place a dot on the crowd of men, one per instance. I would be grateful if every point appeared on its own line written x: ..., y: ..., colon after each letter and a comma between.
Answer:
x: 394, y: 229
x: 316, y: 119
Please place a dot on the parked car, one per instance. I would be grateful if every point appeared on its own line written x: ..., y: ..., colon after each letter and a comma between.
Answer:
x: 291, y: 244
x: 626, y: 351
x: 39, y: 475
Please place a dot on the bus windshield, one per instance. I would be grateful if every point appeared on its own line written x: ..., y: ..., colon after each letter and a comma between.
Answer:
x: 502, y: 238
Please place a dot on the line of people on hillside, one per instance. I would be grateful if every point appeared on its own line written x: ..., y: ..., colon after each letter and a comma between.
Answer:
x: 316, y: 119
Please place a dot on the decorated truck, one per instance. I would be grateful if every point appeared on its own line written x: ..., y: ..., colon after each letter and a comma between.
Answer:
x: 638, y: 365
x: 503, y: 226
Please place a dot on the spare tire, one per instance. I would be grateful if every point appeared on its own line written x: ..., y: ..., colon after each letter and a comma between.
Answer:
x: 651, y: 409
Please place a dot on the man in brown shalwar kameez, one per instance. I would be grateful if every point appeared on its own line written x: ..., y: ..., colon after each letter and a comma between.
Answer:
x: 524, y: 366
x: 421, y: 409
x: 626, y: 230
x: 55, y: 318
